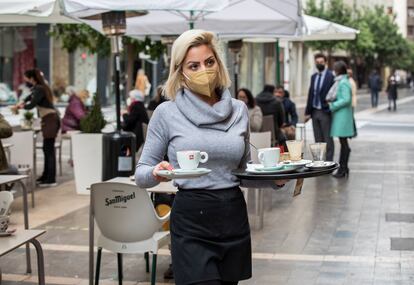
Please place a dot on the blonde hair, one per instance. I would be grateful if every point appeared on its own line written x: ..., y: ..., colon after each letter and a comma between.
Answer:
x: 187, y: 40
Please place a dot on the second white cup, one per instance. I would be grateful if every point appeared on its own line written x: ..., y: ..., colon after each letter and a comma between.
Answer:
x: 269, y: 157
x: 189, y: 159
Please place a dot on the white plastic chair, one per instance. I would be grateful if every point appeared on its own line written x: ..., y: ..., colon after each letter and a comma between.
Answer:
x: 258, y: 140
x: 23, y: 156
x: 6, y: 199
x: 128, y: 223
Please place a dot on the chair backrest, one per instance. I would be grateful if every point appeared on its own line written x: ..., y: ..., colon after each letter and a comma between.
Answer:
x: 268, y: 125
x: 149, y: 112
x: 124, y: 212
x: 6, y: 199
x: 22, y: 151
x: 259, y: 140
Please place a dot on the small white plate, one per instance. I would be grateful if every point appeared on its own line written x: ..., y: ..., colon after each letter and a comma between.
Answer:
x: 302, y: 162
x: 183, y: 173
x: 255, y: 168
x: 326, y: 164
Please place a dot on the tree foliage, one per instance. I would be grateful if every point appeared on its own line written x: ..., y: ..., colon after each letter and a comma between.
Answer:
x: 379, y: 42
x: 75, y: 36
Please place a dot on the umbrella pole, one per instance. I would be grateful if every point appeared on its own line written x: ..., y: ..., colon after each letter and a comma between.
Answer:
x: 117, y: 67
x: 277, y: 63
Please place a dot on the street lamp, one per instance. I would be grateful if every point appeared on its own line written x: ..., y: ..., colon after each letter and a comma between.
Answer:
x: 118, y: 147
x: 235, y: 47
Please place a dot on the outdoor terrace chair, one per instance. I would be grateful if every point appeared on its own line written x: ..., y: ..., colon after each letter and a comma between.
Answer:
x: 128, y: 223
x: 268, y: 125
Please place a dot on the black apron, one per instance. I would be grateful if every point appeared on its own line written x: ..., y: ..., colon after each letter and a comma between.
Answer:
x: 210, y: 236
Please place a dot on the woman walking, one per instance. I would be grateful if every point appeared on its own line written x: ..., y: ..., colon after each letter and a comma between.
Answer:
x: 342, y: 115
x: 210, y: 234
x: 41, y: 97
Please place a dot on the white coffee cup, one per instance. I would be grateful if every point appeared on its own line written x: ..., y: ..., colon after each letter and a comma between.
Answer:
x: 269, y: 157
x: 189, y: 159
x: 4, y: 223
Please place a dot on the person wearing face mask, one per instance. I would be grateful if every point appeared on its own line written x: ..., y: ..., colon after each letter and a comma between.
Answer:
x: 41, y: 98
x: 317, y: 107
x: 340, y: 104
x: 210, y: 233
x: 76, y: 109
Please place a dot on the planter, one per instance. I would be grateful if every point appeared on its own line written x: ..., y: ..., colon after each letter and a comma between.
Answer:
x: 87, y: 160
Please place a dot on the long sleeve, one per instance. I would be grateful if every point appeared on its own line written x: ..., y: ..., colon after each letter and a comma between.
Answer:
x: 343, y: 98
x: 155, y: 148
x: 35, y: 98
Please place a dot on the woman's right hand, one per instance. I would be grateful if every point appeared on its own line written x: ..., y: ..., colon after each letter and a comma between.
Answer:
x: 163, y: 165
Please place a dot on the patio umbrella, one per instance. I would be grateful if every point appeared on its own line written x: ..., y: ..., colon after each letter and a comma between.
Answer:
x: 32, y: 12
x: 239, y: 19
x: 318, y: 29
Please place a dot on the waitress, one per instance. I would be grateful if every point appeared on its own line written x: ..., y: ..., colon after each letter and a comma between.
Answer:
x: 41, y: 97
x: 210, y: 233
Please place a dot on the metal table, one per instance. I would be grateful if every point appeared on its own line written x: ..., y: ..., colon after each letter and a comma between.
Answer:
x: 21, y: 237
x: 6, y: 179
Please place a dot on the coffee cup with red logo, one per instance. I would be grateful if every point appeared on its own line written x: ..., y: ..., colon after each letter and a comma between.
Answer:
x: 190, y: 159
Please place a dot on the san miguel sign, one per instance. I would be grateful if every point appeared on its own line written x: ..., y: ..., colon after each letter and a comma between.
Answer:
x: 119, y: 199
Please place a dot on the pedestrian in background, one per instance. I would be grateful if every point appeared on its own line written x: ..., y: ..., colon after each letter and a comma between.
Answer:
x: 375, y: 85
x: 255, y: 113
x: 317, y: 107
x: 75, y: 110
x: 342, y: 115
x: 354, y: 95
x: 392, y: 92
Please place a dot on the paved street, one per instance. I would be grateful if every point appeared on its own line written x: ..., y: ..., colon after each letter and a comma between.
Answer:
x: 355, y: 231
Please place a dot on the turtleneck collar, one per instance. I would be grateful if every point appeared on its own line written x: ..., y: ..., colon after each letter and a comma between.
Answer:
x: 220, y: 116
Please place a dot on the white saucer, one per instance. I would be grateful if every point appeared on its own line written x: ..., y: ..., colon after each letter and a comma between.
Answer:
x: 326, y: 164
x: 259, y: 169
x: 183, y: 173
x: 302, y: 162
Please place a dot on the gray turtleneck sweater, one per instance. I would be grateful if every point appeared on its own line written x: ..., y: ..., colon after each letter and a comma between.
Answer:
x: 188, y: 123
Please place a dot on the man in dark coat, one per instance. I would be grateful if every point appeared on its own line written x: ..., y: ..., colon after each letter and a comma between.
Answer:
x: 317, y: 107
x: 270, y: 106
x: 375, y: 85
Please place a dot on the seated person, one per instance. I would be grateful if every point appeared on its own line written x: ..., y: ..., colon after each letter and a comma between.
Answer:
x: 5, y: 132
x: 291, y: 116
x: 76, y: 109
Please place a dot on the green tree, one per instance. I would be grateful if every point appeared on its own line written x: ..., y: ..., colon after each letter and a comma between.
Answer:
x: 75, y: 36
x: 335, y: 11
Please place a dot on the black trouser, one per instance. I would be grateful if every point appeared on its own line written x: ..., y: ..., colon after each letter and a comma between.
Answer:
x: 344, y: 154
x: 321, y: 122
x: 374, y: 98
x: 49, y: 171
x: 394, y: 101
x: 215, y: 282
